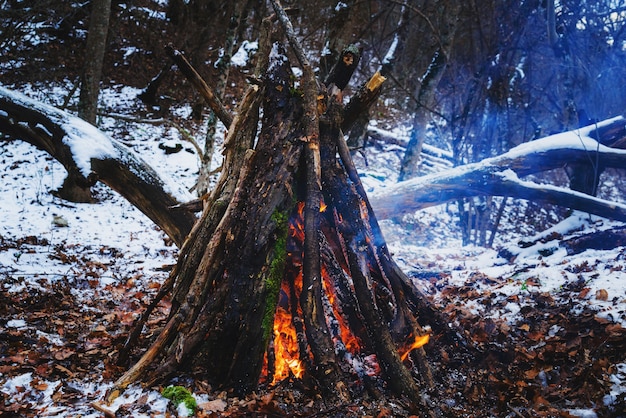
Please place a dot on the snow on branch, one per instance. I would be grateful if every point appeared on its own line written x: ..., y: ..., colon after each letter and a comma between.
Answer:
x: 89, y: 155
x: 500, y: 175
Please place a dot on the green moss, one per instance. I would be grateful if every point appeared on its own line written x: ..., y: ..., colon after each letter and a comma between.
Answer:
x: 296, y: 92
x: 276, y: 271
x: 178, y: 395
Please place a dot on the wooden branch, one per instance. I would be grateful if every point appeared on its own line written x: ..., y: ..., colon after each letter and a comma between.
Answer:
x: 390, y: 271
x: 365, y: 96
x: 196, y: 80
x: 63, y: 136
x: 489, y: 176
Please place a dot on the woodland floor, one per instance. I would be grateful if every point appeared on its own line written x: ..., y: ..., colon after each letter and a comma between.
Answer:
x: 59, y: 338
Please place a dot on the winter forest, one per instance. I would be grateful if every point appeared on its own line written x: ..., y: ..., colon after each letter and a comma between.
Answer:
x: 378, y: 208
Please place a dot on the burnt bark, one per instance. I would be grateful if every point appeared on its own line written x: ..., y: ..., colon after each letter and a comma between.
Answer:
x: 241, y: 262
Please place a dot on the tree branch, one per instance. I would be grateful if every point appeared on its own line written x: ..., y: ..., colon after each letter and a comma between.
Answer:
x: 89, y: 156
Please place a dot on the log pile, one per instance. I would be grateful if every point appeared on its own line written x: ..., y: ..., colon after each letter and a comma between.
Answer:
x: 289, y: 231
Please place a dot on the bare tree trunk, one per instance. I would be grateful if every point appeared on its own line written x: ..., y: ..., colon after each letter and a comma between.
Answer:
x: 94, y: 57
x: 423, y: 98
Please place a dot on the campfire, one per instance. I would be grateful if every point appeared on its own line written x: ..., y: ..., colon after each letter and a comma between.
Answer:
x: 288, y: 356
x: 287, y: 275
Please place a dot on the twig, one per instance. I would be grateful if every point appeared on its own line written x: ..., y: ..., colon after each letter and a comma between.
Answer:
x: 99, y: 407
x: 515, y: 411
x: 132, y: 119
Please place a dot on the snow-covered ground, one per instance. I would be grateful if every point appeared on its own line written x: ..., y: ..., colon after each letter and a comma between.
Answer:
x: 109, y: 256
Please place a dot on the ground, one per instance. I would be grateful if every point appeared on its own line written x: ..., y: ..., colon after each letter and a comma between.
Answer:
x: 540, y: 323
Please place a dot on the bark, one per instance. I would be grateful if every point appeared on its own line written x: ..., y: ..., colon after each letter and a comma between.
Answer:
x: 365, y: 96
x: 94, y: 57
x: 121, y: 169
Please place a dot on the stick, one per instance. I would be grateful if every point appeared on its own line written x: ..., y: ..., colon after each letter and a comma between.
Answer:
x: 192, y: 75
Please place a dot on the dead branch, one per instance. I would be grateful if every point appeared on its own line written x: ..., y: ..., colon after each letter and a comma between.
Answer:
x: 111, y: 162
x: 203, y: 88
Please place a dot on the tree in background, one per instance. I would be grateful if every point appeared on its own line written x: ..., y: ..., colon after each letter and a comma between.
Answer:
x: 473, y: 79
x: 94, y: 57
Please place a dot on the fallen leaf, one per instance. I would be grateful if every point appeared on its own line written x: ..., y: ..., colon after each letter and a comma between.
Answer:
x: 39, y: 385
x: 63, y: 354
x: 216, y: 405
x: 602, y: 294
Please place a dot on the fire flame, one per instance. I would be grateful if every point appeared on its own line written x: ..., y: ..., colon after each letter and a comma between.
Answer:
x: 420, y: 341
x: 287, y: 360
x: 350, y: 341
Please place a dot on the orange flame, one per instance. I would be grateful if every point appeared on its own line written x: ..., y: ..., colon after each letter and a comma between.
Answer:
x: 287, y: 354
x: 419, y: 341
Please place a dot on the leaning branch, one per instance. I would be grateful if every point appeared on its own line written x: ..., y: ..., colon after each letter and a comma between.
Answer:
x: 89, y: 156
x: 194, y: 78
x: 499, y: 176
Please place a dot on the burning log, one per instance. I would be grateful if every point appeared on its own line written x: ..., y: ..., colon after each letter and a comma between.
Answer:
x: 287, y: 275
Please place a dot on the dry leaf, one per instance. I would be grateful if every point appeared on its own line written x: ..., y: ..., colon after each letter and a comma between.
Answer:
x: 602, y: 294
x: 216, y: 405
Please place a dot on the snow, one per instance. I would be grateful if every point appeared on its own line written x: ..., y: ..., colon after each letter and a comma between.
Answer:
x: 16, y: 323
x: 119, y: 245
x: 244, y: 53
x: 619, y: 384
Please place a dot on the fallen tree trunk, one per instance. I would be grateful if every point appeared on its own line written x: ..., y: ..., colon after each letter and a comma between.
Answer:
x: 499, y: 176
x: 89, y: 156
